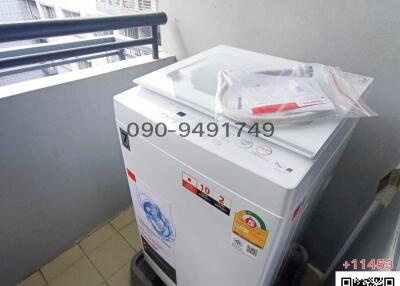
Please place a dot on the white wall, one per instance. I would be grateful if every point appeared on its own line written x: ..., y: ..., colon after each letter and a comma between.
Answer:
x: 361, y: 36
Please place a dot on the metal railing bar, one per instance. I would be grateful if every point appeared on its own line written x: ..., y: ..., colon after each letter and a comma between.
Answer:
x: 72, y: 52
x: 47, y: 47
x: 61, y: 27
x: 37, y: 66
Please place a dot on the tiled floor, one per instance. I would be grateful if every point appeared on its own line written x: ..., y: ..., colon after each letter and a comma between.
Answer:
x: 101, y: 259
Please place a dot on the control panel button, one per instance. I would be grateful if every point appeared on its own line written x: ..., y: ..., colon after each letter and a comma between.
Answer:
x: 264, y: 150
x: 244, y: 143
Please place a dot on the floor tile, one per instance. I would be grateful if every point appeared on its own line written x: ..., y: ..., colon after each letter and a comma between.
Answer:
x: 122, y: 277
x: 97, y: 238
x: 82, y: 273
x: 36, y: 279
x: 123, y: 219
x: 111, y: 255
x: 131, y: 234
x: 65, y: 260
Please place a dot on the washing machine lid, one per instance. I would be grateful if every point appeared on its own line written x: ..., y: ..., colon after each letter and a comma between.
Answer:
x: 193, y: 82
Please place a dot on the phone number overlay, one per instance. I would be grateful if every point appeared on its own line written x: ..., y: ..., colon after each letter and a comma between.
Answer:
x: 210, y: 129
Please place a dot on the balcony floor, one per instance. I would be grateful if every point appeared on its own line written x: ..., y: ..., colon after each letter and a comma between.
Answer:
x: 102, y: 258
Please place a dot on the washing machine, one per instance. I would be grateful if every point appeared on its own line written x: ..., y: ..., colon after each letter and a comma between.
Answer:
x: 219, y: 210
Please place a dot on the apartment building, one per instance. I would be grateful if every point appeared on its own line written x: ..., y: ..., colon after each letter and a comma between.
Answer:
x: 18, y: 10
x: 13, y: 11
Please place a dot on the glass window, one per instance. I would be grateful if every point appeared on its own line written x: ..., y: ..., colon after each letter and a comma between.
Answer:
x: 49, y: 12
x: 70, y: 14
x: 84, y: 65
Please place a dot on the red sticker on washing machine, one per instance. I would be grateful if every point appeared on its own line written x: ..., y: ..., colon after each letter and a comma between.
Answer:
x: 131, y: 175
x: 297, y: 211
x: 206, y: 193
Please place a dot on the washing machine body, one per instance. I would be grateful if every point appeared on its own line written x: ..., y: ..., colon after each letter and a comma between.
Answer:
x: 219, y: 210
x: 214, y: 210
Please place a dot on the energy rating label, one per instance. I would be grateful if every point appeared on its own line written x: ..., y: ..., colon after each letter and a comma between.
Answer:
x: 251, y: 227
x: 206, y: 193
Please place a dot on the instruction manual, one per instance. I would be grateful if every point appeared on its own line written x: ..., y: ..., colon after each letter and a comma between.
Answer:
x: 271, y: 94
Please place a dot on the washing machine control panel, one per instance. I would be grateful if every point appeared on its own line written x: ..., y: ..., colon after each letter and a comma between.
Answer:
x: 259, y: 154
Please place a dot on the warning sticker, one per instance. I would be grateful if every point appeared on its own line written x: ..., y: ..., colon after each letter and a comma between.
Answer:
x: 251, y: 227
x: 204, y: 192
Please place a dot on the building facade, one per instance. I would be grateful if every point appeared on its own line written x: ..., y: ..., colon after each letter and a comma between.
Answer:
x: 24, y: 10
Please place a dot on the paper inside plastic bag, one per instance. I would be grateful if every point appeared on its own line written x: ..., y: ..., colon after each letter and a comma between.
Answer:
x: 268, y: 94
x: 320, y: 93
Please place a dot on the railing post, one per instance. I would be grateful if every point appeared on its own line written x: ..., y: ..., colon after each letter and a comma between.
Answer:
x: 121, y: 54
x: 154, y: 35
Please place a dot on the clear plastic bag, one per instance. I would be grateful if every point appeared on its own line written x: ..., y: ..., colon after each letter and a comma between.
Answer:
x: 303, y: 93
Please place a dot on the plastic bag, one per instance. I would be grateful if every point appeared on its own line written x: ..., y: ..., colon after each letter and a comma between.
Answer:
x: 304, y: 93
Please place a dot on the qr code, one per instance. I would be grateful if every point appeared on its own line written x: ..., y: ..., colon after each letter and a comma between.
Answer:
x: 371, y: 281
x: 367, y: 278
x: 237, y: 242
x: 253, y: 251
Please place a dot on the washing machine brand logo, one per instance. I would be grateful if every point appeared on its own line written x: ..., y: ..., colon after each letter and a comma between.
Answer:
x: 251, y: 227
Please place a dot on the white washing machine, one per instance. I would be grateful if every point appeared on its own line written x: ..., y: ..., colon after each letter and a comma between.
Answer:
x: 219, y: 210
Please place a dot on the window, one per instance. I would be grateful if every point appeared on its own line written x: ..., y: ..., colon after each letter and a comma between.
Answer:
x: 70, y: 14
x: 50, y: 71
x: 84, y: 65
x: 49, y: 12
x: 104, y: 33
x: 131, y: 32
x: 136, y: 52
x: 114, y: 2
x: 144, y: 4
x: 138, y: 5
x: 129, y: 4
x: 145, y: 32
x: 33, y: 9
x: 137, y: 33
x: 112, y: 59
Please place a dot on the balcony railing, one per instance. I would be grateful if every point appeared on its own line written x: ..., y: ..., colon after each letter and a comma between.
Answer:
x: 62, y: 27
